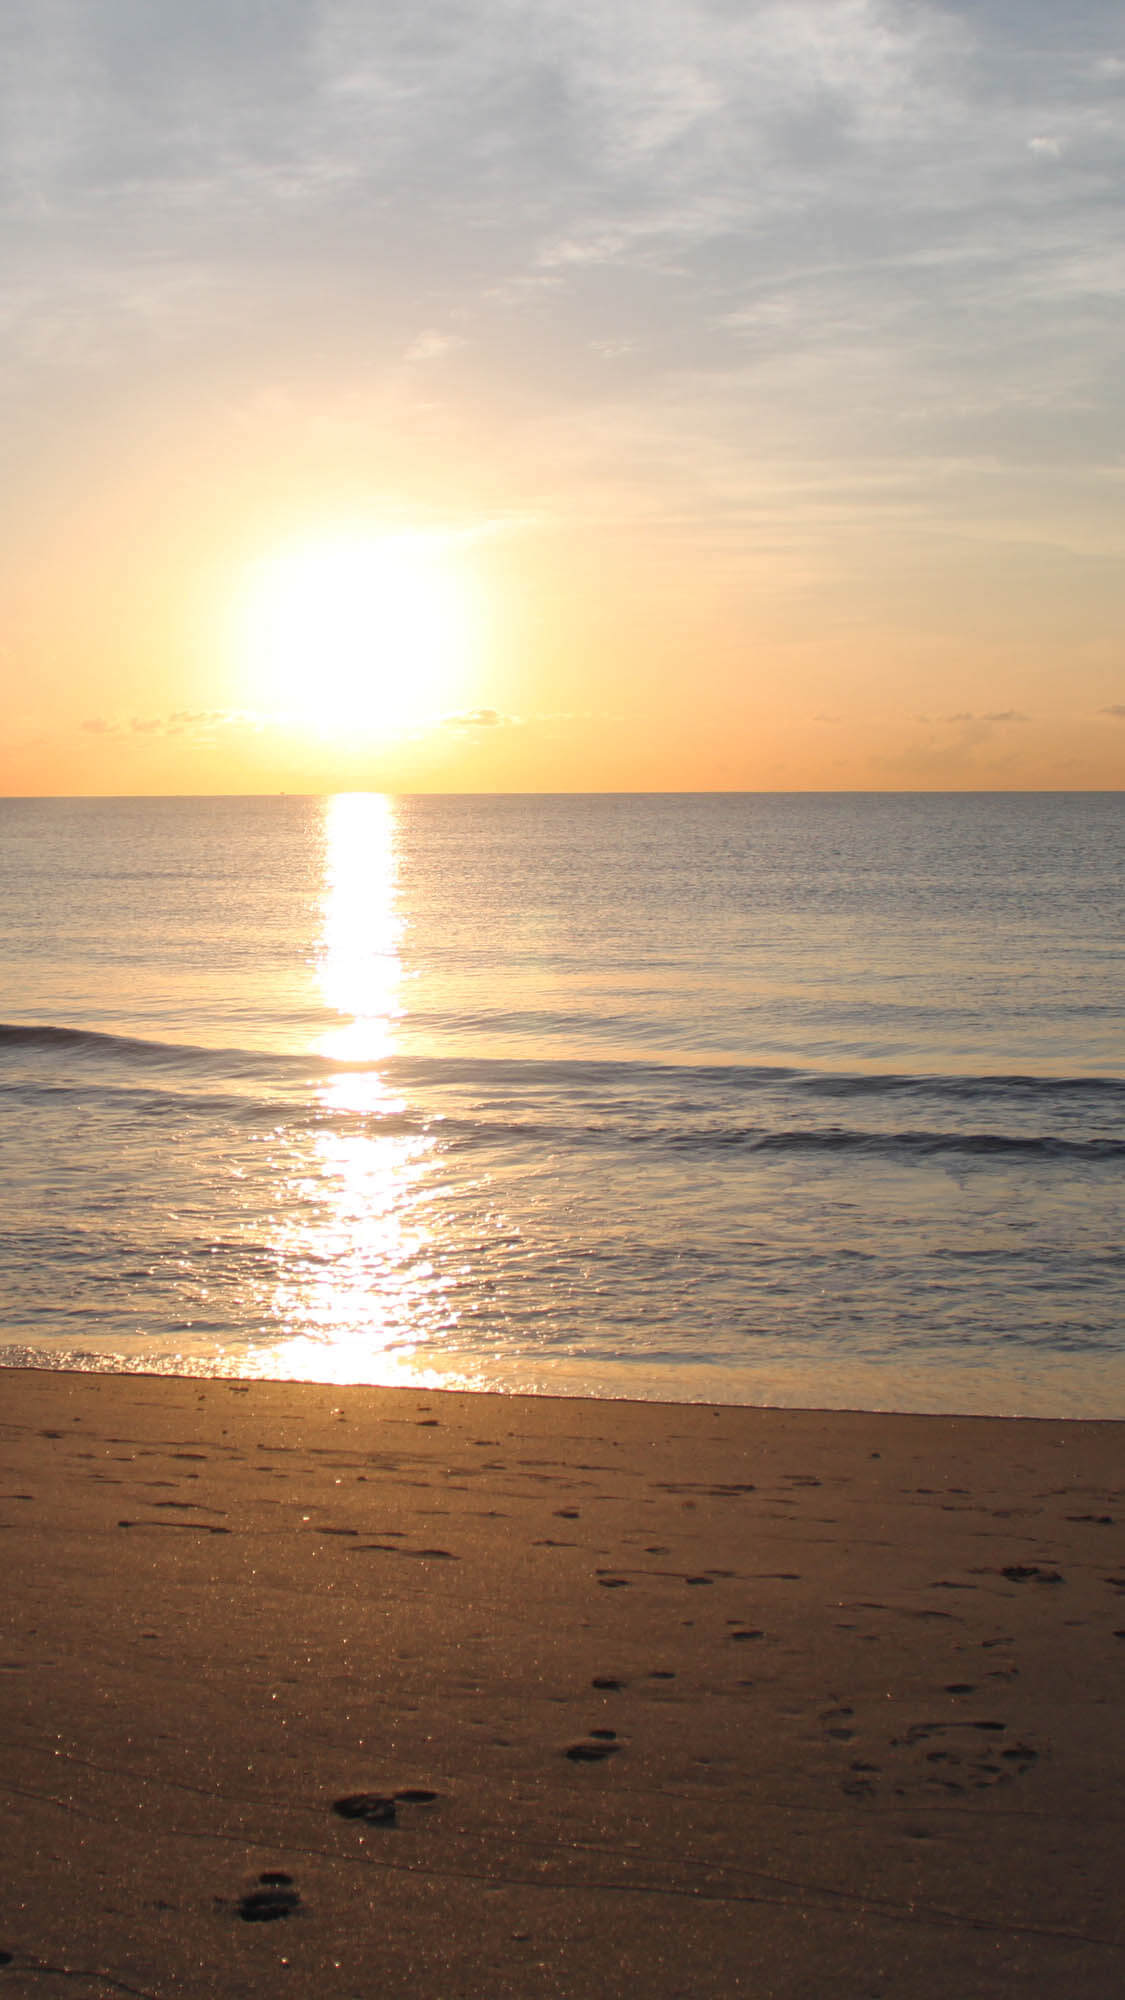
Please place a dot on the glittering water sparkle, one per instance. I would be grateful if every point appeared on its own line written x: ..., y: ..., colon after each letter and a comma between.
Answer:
x: 797, y: 1099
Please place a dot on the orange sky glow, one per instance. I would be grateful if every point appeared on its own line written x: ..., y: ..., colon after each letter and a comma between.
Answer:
x: 546, y: 399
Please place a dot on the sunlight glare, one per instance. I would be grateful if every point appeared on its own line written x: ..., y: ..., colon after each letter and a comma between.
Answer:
x: 359, y: 968
x: 355, y: 633
x: 356, y: 1287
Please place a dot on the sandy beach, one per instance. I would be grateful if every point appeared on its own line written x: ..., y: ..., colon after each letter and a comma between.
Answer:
x: 329, y: 1692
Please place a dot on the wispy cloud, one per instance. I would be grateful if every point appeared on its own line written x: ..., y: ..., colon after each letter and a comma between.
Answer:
x: 480, y: 718
x: 432, y: 345
x: 991, y: 715
x: 201, y: 723
x: 811, y: 290
x: 704, y: 156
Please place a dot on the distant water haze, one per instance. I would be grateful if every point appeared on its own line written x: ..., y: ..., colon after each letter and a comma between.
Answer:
x: 787, y: 1098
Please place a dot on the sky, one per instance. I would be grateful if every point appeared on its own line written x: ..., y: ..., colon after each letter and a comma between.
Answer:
x: 493, y: 395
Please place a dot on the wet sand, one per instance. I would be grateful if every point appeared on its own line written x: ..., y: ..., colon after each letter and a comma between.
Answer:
x: 322, y: 1692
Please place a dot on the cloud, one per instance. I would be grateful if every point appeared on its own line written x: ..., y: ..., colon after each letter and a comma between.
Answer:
x: 779, y: 269
x: 992, y: 715
x: 480, y: 718
x: 431, y: 345
x: 547, y: 719
x: 717, y: 148
x: 198, y: 722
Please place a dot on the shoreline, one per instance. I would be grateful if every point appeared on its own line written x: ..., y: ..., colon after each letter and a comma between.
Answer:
x: 720, y: 1699
x: 1089, y: 1391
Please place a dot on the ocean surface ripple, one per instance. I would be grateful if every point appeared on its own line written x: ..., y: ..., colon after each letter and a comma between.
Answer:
x: 808, y: 1100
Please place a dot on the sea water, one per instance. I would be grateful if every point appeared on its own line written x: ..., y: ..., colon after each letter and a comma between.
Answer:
x: 759, y: 1098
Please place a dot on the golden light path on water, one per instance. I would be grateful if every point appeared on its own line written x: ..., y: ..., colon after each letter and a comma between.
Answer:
x: 356, y: 1278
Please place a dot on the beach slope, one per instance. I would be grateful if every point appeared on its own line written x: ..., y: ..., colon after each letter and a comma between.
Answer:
x: 323, y: 1692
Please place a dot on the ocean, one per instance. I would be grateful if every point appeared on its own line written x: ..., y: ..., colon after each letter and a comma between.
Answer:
x: 797, y: 1099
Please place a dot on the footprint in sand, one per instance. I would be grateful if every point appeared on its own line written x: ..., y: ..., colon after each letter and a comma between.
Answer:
x: 917, y: 1733
x: 595, y: 1749
x: 273, y: 1896
x: 187, y: 1527
x: 388, y: 1549
x: 381, y: 1808
x: 982, y: 1772
x: 373, y: 1808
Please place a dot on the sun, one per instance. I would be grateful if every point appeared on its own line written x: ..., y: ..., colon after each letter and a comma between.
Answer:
x: 352, y: 632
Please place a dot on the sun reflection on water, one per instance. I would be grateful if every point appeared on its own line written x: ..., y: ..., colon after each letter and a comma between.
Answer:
x: 356, y: 1285
x: 359, y: 966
